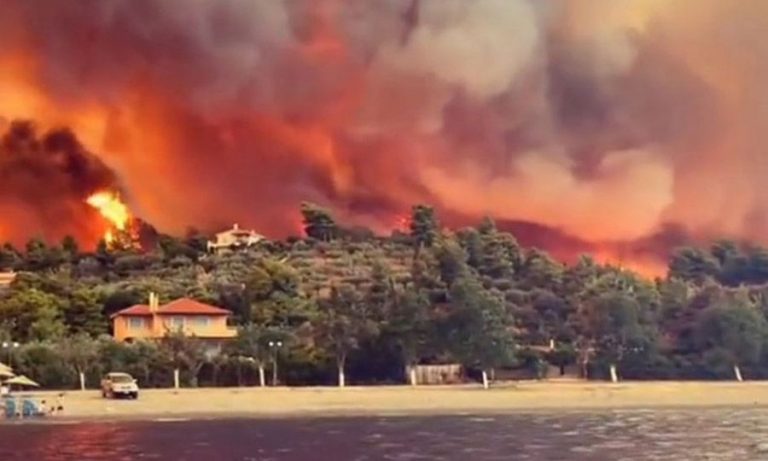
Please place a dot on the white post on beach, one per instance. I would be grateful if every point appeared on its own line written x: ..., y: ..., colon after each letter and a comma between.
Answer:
x: 262, y: 379
x: 614, y: 375
x: 342, y: 378
x: 176, y: 378
x: 486, y: 384
x: 82, y: 380
x: 737, y: 372
x: 412, y: 375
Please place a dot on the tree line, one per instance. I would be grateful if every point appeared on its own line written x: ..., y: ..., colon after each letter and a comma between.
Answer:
x: 343, y: 305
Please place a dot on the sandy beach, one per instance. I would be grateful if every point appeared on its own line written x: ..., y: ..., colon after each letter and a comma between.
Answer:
x: 392, y: 400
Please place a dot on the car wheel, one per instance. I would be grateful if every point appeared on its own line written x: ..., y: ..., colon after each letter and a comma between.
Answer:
x: 135, y: 395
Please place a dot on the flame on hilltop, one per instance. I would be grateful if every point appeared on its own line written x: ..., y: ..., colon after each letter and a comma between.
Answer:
x: 112, y: 208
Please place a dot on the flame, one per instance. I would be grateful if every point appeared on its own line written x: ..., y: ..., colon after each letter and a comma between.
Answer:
x: 648, y: 266
x: 112, y: 208
x: 403, y: 223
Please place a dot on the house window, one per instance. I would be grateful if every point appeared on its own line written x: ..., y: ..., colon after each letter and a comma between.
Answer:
x: 202, y: 321
x: 136, y: 323
x: 177, y: 321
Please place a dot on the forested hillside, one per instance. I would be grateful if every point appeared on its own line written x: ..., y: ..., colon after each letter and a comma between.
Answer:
x: 346, y: 299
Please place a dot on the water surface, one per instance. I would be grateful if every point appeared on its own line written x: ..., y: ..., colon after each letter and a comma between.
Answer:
x: 691, y: 434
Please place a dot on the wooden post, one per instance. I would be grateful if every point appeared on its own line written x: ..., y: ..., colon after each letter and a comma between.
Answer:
x: 614, y: 375
x: 486, y: 384
x: 82, y: 380
x: 412, y: 374
x: 737, y: 372
x: 176, y: 378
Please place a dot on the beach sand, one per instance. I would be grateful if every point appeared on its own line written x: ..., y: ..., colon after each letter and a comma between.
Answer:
x: 393, y: 400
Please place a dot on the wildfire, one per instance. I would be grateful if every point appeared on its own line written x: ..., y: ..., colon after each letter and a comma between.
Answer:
x: 647, y: 266
x: 112, y: 208
x: 403, y: 223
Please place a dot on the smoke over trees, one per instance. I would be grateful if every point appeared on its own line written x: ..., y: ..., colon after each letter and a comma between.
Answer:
x: 601, y: 123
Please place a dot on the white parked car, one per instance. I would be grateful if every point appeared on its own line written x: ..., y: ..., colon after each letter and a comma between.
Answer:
x: 115, y: 385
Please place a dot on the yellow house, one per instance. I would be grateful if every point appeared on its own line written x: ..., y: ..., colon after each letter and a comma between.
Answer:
x: 154, y: 321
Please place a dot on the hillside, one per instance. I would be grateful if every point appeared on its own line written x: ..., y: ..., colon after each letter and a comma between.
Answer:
x: 371, y: 305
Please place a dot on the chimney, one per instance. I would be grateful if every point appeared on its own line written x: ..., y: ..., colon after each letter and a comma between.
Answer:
x: 154, y: 302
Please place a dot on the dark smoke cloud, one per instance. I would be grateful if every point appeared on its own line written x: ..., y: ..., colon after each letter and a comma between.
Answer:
x: 44, y: 181
x: 595, y: 122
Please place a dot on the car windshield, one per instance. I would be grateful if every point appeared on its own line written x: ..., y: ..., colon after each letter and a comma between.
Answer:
x: 121, y: 379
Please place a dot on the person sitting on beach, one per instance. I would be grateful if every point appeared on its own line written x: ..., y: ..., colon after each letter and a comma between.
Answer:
x: 57, y: 407
x: 53, y: 409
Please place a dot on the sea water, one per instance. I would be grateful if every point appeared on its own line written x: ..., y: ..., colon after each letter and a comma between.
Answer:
x: 685, y: 434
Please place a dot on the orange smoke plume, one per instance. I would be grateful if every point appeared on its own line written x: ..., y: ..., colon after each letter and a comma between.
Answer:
x: 588, y: 125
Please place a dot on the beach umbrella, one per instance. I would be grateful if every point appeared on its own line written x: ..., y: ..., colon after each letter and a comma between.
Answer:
x: 5, y: 371
x: 21, y: 381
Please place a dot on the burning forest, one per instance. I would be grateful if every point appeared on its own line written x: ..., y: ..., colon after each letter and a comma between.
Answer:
x: 618, y: 128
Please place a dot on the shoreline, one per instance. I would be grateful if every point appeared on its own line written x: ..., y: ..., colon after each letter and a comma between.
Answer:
x: 389, y: 401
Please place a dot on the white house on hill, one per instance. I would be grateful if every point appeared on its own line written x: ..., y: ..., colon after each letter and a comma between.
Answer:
x: 6, y: 278
x: 234, y: 238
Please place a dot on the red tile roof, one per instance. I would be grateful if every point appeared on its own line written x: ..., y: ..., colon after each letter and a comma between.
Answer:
x: 190, y: 306
x: 179, y: 306
x: 138, y: 309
